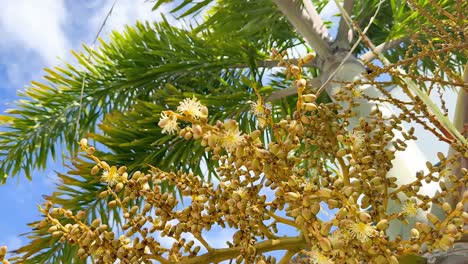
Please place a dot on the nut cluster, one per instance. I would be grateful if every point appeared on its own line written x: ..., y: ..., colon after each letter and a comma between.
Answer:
x: 311, y: 166
x: 327, y: 181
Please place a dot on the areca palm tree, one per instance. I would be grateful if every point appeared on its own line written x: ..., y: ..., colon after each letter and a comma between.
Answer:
x: 118, y: 91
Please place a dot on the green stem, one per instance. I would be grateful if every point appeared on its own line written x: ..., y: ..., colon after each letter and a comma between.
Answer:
x: 217, y: 255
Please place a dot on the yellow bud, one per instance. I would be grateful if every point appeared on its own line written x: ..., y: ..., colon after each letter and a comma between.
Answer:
x: 188, y: 135
x: 119, y: 187
x: 84, y: 142
x: 371, y: 172
x: 446, y: 242
x: 122, y: 170
x: 57, y: 233
x: 103, y: 194
x: 324, y: 193
x: 196, y: 250
x: 52, y: 229
x: 305, y: 120
x: 292, y: 196
x: 423, y: 227
x: 309, y: 98
x: 136, y: 175
x: 80, y: 215
x: 3, y: 251
x: 414, y: 233
x: 366, y: 159
x: 447, y: 208
x: 325, y: 244
x: 308, y: 57
x: 364, y: 217
x: 201, y: 198
x: 382, y: 224
x: 90, y: 150
x: 96, y: 222
x: 95, y: 170
x: 295, y: 70
x: 315, y: 208
x: 230, y: 124
x: 255, y: 134
x: 81, y: 252
x: 309, y: 107
x: 465, y: 217
x: 301, y: 83
x: 393, y: 260
x: 452, y: 229
x: 197, y: 131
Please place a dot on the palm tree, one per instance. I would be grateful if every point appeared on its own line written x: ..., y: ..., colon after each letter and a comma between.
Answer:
x: 117, y: 92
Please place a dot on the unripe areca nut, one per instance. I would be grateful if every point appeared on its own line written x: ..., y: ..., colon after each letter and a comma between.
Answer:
x: 382, y: 224
x: 197, y: 131
x: 291, y: 196
x: 446, y: 207
x: 95, y: 170
x: 315, y: 208
x: 3, y: 251
x: 301, y: 83
x: 103, y: 194
x: 90, y: 150
x: 325, y: 244
x: 119, y: 187
x: 465, y: 217
x: 96, y: 222
x: 364, y: 217
x: 112, y: 204
x: 309, y: 107
x: 81, y: 252
x: 52, y: 229
x: 188, y: 135
x: 452, y: 229
x: 84, y: 142
x: 309, y: 98
x: 393, y: 260
x: 308, y: 57
x: 295, y: 70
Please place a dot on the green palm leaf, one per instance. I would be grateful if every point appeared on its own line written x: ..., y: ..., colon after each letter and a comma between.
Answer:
x: 132, y: 66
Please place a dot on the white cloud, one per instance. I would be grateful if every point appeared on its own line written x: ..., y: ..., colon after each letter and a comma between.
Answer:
x: 35, y: 25
x: 329, y: 13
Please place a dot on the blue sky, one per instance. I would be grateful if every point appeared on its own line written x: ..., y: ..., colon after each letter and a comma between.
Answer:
x: 40, y: 33
x: 36, y: 34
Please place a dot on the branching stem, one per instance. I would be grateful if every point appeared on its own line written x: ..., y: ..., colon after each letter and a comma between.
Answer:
x: 282, y: 219
x: 217, y: 255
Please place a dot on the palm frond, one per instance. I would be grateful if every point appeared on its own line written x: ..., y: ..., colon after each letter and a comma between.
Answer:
x: 131, y: 67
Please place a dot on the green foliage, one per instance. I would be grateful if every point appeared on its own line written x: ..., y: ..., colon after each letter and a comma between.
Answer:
x: 133, y: 66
